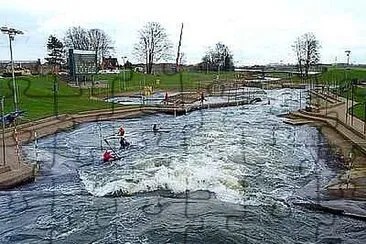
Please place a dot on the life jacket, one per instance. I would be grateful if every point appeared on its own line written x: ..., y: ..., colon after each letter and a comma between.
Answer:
x: 107, y: 156
x: 121, y: 131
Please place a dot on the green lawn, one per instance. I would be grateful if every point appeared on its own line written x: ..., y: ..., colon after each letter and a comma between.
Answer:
x: 343, y: 78
x: 333, y: 75
x: 133, y: 81
x: 342, y: 75
x: 359, y: 111
x: 36, y: 93
x: 359, y: 96
x: 36, y: 97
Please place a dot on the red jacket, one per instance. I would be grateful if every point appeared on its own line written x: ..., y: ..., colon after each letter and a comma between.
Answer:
x: 121, y: 131
x: 107, y: 156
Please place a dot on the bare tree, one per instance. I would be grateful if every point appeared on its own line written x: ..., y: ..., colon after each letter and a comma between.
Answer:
x: 219, y: 57
x: 153, y: 45
x: 298, y: 49
x: 77, y: 38
x: 306, y: 48
x: 100, y: 42
x: 312, y: 47
x: 93, y: 39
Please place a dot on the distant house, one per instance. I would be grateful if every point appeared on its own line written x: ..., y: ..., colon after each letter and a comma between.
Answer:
x: 109, y: 63
x: 21, y: 67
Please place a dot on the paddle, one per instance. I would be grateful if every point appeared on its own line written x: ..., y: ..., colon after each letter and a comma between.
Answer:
x: 115, y: 153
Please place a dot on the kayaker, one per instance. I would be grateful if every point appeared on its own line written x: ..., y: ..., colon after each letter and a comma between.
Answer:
x: 108, y: 156
x: 155, y: 128
x: 121, y: 131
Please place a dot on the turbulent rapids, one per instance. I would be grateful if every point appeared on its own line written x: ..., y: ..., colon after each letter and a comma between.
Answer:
x: 221, y: 151
x: 214, y: 175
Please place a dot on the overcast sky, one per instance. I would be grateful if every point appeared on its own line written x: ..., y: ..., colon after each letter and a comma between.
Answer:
x: 257, y: 32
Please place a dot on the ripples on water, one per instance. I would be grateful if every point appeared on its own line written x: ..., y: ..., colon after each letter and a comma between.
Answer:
x: 225, y: 175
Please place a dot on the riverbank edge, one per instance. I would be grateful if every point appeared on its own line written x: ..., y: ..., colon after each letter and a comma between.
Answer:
x: 350, y: 200
x: 19, y: 171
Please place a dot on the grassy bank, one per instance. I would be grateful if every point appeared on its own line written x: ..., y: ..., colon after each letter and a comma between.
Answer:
x: 131, y: 81
x: 36, y: 97
x: 342, y: 78
x: 359, y: 111
x: 342, y: 75
x: 333, y: 75
x: 36, y: 93
x: 360, y: 97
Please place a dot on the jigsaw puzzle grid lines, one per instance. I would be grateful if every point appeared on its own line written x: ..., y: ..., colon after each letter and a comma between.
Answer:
x: 188, y: 200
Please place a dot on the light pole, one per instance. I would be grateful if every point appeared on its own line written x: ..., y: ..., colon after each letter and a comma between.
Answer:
x: 209, y: 61
x: 3, y: 128
x: 364, y: 117
x: 11, y: 32
x: 353, y: 83
x: 218, y: 69
x: 206, y: 67
x: 348, y: 52
x: 124, y: 72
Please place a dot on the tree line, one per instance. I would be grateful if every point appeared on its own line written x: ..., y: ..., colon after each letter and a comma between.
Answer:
x: 154, y: 45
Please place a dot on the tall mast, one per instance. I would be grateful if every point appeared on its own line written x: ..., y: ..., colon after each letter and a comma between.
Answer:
x: 177, y: 63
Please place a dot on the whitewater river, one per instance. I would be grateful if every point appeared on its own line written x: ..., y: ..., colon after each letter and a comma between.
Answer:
x: 230, y: 175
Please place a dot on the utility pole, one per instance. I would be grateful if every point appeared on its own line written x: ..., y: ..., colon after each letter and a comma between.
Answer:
x: 300, y: 99
x: 207, y: 66
x: 124, y: 72
x: 352, y: 101
x: 3, y: 129
x: 347, y: 105
x: 348, y: 52
x: 364, y: 117
x: 55, y: 94
x: 326, y: 105
x: 178, y: 69
x: 179, y: 45
x: 218, y: 69
x: 11, y: 32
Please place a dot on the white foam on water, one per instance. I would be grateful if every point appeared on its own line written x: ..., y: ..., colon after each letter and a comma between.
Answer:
x: 209, y: 156
x: 199, y: 172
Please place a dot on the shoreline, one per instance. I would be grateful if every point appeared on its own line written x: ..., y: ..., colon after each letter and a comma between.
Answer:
x: 20, y: 172
x: 17, y: 171
x: 347, y: 190
x: 350, y: 183
x: 342, y: 149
